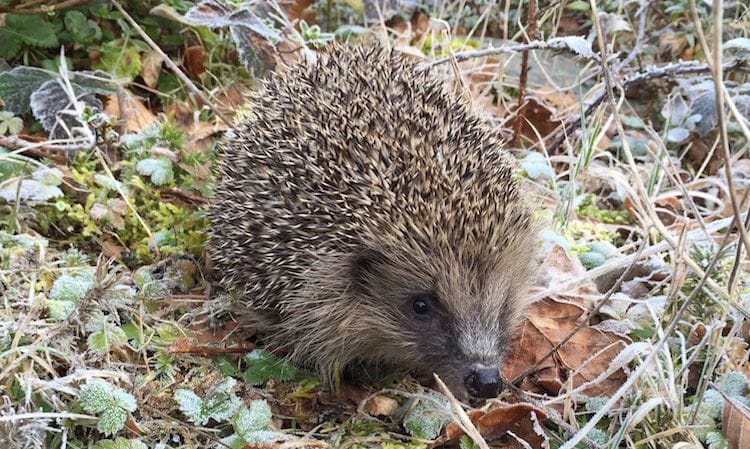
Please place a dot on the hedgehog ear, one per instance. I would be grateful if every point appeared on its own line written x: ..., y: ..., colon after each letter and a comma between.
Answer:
x: 364, y: 268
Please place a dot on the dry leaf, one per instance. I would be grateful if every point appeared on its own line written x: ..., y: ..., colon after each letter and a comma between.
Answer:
x: 497, y: 421
x: 151, y: 68
x: 380, y: 405
x: 132, y: 113
x: 736, y: 424
x: 194, y: 60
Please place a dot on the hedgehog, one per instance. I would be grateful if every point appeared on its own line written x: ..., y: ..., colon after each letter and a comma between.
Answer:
x: 372, y: 217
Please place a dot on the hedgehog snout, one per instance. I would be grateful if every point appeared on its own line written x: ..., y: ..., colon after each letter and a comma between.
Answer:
x: 483, y: 381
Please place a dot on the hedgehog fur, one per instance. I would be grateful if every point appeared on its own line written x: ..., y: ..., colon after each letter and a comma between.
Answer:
x: 373, y: 216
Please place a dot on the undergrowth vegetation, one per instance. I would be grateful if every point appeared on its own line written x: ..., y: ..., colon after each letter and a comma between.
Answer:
x: 112, y: 335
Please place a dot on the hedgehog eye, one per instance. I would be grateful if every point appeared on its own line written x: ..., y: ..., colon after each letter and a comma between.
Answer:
x: 421, y: 304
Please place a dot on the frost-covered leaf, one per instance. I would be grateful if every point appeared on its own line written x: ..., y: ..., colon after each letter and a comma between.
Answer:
x: 112, y: 420
x: 50, y: 99
x: 96, y: 396
x: 111, y: 404
x: 48, y: 176
x: 70, y: 287
x: 30, y: 190
x: 110, y: 336
x: 59, y: 310
x: 678, y: 135
x: 160, y: 170
x: 264, y: 437
x: 218, y: 14
x: 577, y: 44
x: 110, y: 183
x: 704, y: 105
x: 262, y: 366
x: 119, y: 443
x: 221, y: 404
x: 17, y: 85
x: 535, y: 165
x: 191, y: 406
x: 591, y: 260
x: 742, y: 43
x: 244, y: 20
x: 676, y: 110
x: 257, y: 416
x: 613, y: 23
x: 124, y: 400
x: 427, y: 418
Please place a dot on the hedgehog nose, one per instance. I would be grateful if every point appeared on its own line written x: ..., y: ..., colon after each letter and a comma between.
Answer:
x: 483, y: 382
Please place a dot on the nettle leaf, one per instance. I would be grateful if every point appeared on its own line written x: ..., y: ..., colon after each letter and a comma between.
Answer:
x: 96, y: 396
x: 112, y: 405
x: 190, y: 405
x: 262, y: 366
x: 427, y: 418
x: 220, y: 405
x: 158, y: 169
x: 110, y: 336
x: 257, y: 416
x: 84, y: 30
x: 72, y: 287
x: 17, y: 85
x: 121, y: 62
x: 120, y: 443
x: 29, y: 29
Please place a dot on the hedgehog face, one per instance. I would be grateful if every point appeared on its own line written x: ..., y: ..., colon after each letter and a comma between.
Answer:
x: 439, y: 315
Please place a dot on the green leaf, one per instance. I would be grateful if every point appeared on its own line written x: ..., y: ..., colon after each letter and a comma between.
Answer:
x: 262, y: 366
x: 29, y: 29
x: 59, y: 310
x: 120, y: 62
x: 112, y: 405
x: 84, y: 31
x: 253, y: 418
x: 160, y: 170
x: 10, y: 124
x: 108, y: 337
x: 578, y: 6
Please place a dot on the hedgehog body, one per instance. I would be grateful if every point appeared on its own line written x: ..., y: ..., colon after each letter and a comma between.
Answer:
x: 374, y: 217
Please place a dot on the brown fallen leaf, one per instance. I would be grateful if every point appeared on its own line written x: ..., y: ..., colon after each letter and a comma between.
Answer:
x: 133, y: 115
x: 496, y: 422
x: 379, y: 405
x: 581, y: 359
x: 151, y: 68
x: 194, y: 60
x: 736, y: 424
